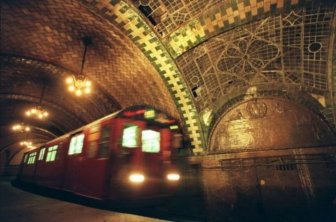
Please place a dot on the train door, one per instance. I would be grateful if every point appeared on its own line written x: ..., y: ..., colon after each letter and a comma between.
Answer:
x: 97, y: 154
x: 87, y: 161
x: 74, y: 158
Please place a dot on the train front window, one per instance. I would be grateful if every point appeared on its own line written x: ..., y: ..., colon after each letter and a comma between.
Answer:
x: 150, y: 141
x: 130, y: 136
x: 76, y: 144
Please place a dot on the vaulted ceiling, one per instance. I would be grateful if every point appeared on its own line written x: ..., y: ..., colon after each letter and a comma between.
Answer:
x: 191, y: 59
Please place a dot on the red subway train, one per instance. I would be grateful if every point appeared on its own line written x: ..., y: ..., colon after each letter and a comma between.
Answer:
x: 127, y: 154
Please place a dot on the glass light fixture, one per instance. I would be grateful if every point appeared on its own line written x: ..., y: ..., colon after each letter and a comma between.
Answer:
x: 28, y: 144
x: 20, y: 127
x: 79, y: 84
x: 37, y: 112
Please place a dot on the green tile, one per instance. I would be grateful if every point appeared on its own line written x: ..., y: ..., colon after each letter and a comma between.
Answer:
x: 234, y: 5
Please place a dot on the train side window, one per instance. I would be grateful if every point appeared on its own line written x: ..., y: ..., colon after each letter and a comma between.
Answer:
x: 104, y: 142
x: 130, y: 136
x: 32, y: 157
x: 25, y: 160
x: 150, y: 141
x: 51, y: 154
x: 41, y: 155
x: 76, y: 144
x: 93, y: 137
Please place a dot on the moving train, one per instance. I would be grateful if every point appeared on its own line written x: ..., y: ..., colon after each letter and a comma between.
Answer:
x: 127, y: 154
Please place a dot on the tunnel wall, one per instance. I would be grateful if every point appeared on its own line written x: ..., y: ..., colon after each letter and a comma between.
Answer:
x: 286, y: 188
x: 270, y: 159
x: 268, y: 123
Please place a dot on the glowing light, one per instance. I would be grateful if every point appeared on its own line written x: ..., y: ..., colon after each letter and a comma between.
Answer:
x: 71, y: 88
x: 26, y: 143
x: 79, y: 85
x: 87, y: 90
x: 136, y: 178
x: 149, y: 114
x: 21, y: 127
x: 78, y: 92
x: 173, y: 176
x: 37, y: 112
x: 69, y: 80
x: 88, y: 83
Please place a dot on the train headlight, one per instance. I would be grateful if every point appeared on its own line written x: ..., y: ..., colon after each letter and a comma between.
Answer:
x: 173, y: 176
x: 136, y: 178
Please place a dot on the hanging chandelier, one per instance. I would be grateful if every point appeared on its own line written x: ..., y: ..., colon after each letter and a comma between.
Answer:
x: 21, y: 127
x: 79, y: 84
x: 28, y: 144
x: 38, y: 112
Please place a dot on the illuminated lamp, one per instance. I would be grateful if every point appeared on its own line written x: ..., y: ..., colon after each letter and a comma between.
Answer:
x: 38, y: 112
x: 136, y: 178
x: 26, y: 143
x: 21, y: 127
x: 149, y: 114
x: 173, y: 127
x: 173, y: 176
x: 79, y: 84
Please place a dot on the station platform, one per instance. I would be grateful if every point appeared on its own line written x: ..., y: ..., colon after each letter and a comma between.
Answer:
x: 17, y: 205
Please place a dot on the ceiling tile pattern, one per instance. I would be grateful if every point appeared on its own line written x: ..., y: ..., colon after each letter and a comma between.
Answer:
x: 53, y: 32
x: 183, y: 24
x: 290, y: 49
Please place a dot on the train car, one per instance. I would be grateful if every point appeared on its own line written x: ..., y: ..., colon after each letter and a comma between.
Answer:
x: 51, y: 162
x: 27, y: 168
x: 128, y: 154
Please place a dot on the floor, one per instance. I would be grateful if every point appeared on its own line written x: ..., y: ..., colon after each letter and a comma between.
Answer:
x: 17, y: 205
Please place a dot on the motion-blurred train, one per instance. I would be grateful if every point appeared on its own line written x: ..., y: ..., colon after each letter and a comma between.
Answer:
x: 127, y: 154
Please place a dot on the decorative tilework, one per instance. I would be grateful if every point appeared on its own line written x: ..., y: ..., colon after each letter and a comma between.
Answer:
x: 192, y: 34
x: 275, y: 51
x: 129, y: 21
x: 220, y: 18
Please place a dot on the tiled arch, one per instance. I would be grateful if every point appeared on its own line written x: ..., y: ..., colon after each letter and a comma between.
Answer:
x: 127, y: 19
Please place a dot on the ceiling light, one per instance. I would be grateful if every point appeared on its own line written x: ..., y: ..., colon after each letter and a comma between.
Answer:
x: 21, y: 127
x: 79, y: 84
x: 26, y: 143
x: 37, y: 111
